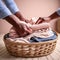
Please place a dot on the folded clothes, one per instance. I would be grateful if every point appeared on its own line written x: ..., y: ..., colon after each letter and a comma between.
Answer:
x: 39, y: 39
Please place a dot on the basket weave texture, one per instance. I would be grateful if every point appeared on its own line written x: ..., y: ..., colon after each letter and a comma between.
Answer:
x: 30, y: 49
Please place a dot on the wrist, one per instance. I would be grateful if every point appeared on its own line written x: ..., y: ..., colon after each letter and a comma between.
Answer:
x: 54, y: 15
x: 19, y: 15
x: 47, y: 18
x: 50, y: 18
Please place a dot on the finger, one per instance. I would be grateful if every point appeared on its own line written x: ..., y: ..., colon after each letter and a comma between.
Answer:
x: 27, y: 29
x: 39, y: 21
x: 30, y: 30
x: 42, y: 20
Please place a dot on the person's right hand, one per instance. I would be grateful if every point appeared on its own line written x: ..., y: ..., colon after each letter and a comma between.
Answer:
x: 23, y: 29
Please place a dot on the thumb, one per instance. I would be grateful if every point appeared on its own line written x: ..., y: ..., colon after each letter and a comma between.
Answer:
x: 39, y: 20
x: 28, y: 29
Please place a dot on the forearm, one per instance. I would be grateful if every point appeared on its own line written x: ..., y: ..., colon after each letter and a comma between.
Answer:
x: 12, y: 20
x: 54, y: 15
x: 20, y: 16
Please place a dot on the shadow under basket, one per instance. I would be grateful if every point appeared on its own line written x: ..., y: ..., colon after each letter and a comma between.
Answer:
x: 36, y: 49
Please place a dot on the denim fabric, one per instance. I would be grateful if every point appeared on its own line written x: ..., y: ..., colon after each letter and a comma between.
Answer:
x: 11, y: 5
x: 4, y: 11
x: 39, y: 39
x: 58, y: 11
x: 8, y: 8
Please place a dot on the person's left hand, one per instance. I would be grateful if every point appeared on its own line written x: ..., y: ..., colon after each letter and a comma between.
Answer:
x: 44, y: 19
x: 47, y: 19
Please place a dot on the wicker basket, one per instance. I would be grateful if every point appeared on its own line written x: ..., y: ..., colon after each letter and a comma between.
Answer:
x: 30, y: 49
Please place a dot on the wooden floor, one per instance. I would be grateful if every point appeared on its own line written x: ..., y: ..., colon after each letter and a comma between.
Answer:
x: 5, y: 56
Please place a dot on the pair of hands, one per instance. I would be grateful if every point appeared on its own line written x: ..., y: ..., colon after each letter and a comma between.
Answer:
x: 24, y: 27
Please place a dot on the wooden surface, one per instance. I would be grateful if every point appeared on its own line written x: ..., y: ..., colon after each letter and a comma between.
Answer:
x: 5, y: 56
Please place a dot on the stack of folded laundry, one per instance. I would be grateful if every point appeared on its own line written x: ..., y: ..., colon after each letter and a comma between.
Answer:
x: 37, y: 36
x: 44, y: 36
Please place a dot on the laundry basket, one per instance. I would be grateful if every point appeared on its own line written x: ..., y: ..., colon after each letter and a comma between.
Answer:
x: 30, y: 49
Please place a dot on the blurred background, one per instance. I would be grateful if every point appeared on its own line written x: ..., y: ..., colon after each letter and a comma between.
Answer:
x: 34, y: 8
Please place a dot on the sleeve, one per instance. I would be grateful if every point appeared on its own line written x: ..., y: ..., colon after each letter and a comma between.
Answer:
x: 58, y: 11
x: 11, y: 5
x: 4, y: 11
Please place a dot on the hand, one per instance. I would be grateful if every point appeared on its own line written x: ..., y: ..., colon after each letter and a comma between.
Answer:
x: 46, y: 19
x: 41, y: 20
x: 23, y: 29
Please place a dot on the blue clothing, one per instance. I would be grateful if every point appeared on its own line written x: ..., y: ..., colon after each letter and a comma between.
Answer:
x: 7, y: 7
x: 39, y: 39
x: 58, y: 11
